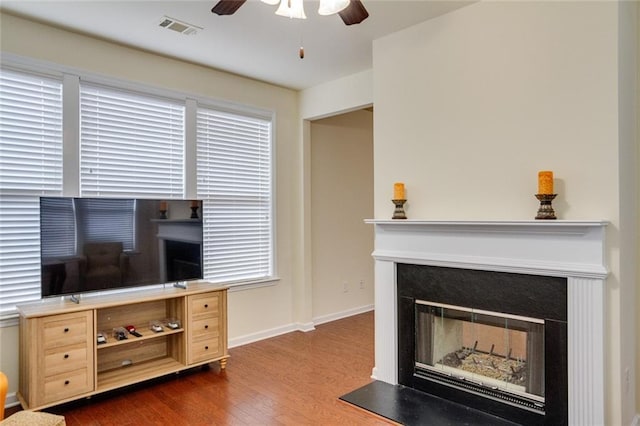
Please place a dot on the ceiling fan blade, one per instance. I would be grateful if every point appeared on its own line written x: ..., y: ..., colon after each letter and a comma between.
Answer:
x: 227, y: 7
x: 354, y: 13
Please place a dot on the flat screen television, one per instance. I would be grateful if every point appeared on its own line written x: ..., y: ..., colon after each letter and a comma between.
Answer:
x: 98, y: 244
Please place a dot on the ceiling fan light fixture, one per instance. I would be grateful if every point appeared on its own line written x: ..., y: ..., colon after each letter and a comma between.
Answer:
x: 271, y: 2
x: 291, y: 9
x: 329, y: 7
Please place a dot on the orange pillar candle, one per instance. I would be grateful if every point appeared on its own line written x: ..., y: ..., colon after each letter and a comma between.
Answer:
x: 545, y: 182
x: 194, y: 203
x: 398, y: 191
x: 163, y: 206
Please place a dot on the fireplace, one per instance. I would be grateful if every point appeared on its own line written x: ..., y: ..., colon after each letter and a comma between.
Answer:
x: 521, y: 297
x: 493, y: 341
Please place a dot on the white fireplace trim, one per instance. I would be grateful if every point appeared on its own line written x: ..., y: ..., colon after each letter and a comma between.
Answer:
x: 488, y: 264
x: 571, y: 249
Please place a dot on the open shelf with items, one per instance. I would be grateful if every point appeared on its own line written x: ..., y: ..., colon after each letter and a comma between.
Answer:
x: 145, y: 336
x: 62, y: 358
x: 134, y: 358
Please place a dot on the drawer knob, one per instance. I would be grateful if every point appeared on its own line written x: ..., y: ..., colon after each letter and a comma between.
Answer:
x: 66, y: 356
x: 66, y: 382
x: 206, y: 305
x: 206, y: 348
x: 66, y: 330
x: 206, y: 326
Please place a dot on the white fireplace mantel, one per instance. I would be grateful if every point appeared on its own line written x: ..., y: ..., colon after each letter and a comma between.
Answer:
x: 185, y: 230
x: 560, y: 248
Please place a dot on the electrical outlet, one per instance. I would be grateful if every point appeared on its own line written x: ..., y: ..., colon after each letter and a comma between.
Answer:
x: 361, y: 284
x: 345, y: 286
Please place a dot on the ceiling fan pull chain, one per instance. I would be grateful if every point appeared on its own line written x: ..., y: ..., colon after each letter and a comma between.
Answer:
x: 301, y: 51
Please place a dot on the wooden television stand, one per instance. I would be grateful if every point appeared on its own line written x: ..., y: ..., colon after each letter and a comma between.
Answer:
x: 61, y: 359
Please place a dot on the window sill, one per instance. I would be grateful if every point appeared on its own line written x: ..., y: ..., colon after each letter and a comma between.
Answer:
x: 13, y: 320
x: 250, y: 285
x: 9, y: 321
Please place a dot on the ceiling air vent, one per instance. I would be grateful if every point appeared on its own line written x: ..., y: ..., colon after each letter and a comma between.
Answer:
x: 178, y: 26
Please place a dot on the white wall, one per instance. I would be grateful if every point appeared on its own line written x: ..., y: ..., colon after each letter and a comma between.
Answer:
x: 470, y: 105
x: 341, y: 198
x: 338, y: 96
x: 629, y: 183
x: 637, y: 260
x: 251, y: 312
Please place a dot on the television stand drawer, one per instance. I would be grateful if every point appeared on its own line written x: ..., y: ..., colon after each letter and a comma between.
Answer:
x: 65, y: 329
x: 65, y: 359
x: 66, y: 385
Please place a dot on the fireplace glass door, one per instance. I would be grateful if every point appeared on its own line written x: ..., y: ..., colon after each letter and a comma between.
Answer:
x: 495, y: 354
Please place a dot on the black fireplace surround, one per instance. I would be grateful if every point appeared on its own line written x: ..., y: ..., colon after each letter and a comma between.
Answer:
x: 516, y: 294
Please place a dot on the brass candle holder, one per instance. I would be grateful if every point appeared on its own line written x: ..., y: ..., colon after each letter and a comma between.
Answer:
x: 399, y: 213
x: 546, y: 209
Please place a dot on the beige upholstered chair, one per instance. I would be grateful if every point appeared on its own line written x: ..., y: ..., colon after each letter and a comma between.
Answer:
x: 103, y: 264
x: 33, y: 418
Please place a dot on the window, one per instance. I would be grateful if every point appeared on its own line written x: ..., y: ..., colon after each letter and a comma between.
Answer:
x: 131, y: 144
x: 30, y: 166
x: 234, y: 180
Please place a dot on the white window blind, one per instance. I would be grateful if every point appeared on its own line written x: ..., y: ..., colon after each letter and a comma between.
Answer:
x: 106, y: 221
x: 30, y: 166
x: 57, y: 227
x: 234, y: 181
x: 131, y: 144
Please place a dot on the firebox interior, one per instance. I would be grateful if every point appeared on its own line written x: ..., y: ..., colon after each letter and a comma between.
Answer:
x: 491, y: 350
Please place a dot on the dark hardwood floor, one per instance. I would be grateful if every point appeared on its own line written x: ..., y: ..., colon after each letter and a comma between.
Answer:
x: 293, y: 379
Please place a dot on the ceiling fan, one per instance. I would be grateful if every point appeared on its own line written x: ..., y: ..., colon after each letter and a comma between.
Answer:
x: 351, y: 11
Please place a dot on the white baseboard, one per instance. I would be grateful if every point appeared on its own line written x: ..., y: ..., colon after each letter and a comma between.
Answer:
x: 343, y: 314
x: 305, y: 327
x: 261, y: 335
x: 11, y: 400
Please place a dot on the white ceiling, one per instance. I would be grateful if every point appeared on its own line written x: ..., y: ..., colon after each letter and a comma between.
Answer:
x: 253, y: 42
